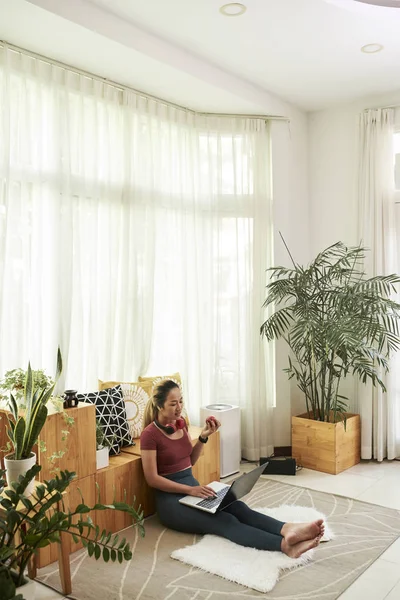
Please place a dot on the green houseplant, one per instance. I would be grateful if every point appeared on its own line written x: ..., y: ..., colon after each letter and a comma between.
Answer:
x: 102, y: 447
x: 336, y: 322
x: 39, y: 523
x: 14, y: 382
x: 25, y: 424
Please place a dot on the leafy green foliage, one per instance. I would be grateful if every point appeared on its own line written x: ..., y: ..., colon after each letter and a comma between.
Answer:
x: 101, y: 440
x: 7, y: 585
x: 14, y: 381
x: 24, y: 428
x: 336, y: 322
x: 40, y: 523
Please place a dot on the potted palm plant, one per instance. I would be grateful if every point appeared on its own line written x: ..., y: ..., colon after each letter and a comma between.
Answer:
x: 27, y: 524
x: 336, y: 322
x: 25, y: 424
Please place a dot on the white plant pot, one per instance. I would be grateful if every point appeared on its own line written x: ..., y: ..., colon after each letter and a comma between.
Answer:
x: 28, y: 589
x: 15, y: 468
x: 102, y: 458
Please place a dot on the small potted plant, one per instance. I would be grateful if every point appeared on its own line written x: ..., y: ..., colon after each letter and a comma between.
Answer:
x: 14, y: 382
x: 29, y: 524
x: 25, y: 424
x: 102, y: 448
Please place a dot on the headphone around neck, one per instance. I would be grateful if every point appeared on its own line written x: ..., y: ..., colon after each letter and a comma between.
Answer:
x: 170, y: 428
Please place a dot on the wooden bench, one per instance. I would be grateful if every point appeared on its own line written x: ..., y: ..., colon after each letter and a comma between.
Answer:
x: 123, y: 480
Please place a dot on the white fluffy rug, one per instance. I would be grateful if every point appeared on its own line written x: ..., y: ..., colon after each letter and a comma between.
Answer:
x: 256, y: 569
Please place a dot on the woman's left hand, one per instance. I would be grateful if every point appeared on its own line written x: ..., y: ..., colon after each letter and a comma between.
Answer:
x: 210, y: 427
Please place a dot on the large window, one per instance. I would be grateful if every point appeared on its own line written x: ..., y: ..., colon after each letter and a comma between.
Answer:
x: 133, y: 234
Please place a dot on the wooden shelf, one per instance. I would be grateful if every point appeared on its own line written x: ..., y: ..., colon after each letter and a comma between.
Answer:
x: 87, y: 488
x: 79, y: 445
x: 123, y: 478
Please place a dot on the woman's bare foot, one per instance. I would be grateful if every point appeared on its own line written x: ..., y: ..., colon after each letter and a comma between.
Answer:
x: 296, y: 550
x: 300, y: 532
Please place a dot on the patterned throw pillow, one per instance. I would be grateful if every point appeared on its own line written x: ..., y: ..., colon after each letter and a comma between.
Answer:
x: 106, y: 416
x: 122, y: 427
x: 155, y: 380
x: 136, y: 395
x: 110, y: 410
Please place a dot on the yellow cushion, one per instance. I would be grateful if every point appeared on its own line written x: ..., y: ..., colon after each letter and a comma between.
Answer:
x: 136, y: 395
x: 156, y: 379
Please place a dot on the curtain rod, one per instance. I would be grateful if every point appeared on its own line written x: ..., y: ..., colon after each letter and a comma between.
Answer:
x: 382, y: 107
x: 121, y: 87
x: 244, y: 116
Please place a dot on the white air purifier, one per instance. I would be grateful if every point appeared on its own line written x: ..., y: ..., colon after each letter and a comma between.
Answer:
x: 230, y: 444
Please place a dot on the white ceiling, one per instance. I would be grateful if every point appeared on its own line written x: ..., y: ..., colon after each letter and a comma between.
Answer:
x: 306, y: 52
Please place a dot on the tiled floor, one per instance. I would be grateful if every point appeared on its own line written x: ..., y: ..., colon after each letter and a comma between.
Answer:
x: 378, y: 483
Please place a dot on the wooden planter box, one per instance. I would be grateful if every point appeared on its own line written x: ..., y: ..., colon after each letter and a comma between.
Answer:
x: 326, y: 447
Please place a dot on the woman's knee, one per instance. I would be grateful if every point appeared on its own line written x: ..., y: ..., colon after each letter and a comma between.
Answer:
x: 198, y: 522
x: 238, y: 508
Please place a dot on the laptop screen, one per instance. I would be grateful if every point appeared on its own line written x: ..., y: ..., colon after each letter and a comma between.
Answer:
x: 242, y: 486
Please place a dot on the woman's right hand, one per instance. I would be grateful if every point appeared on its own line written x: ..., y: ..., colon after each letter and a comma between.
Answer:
x: 202, y: 491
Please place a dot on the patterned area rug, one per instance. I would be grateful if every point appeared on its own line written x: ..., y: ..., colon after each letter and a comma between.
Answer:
x: 256, y: 569
x: 362, y: 533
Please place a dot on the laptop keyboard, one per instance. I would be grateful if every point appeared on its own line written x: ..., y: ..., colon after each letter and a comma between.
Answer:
x: 211, y: 502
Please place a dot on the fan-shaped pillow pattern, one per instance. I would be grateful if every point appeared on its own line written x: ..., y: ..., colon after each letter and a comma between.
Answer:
x: 136, y: 395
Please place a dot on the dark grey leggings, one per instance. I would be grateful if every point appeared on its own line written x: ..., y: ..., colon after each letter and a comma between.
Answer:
x: 237, y: 522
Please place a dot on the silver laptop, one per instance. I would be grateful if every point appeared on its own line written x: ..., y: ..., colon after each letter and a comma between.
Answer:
x: 226, y: 494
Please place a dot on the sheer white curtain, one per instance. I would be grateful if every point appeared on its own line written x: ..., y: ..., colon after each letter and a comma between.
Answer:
x: 380, y: 412
x: 136, y: 236
x: 212, y: 245
x: 72, y: 242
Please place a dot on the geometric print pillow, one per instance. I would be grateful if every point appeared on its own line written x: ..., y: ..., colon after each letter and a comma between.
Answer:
x: 156, y: 379
x: 105, y: 415
x: 136, y: 396
x: 122, y: 428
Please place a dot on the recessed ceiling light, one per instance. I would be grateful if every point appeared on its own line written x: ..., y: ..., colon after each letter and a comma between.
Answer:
x: 372, y: 48
x: 233, y: 9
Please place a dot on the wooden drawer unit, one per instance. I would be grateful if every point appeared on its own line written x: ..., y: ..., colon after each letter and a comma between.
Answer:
x: 123, y: 475
x: 72, y: 498
x: 79, y: 446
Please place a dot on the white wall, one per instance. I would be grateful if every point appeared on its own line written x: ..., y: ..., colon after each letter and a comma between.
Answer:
x: 291, y: 217
x: 333, y: 171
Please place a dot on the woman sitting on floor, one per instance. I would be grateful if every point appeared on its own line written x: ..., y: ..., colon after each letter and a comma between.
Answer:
x: 168, y: 457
